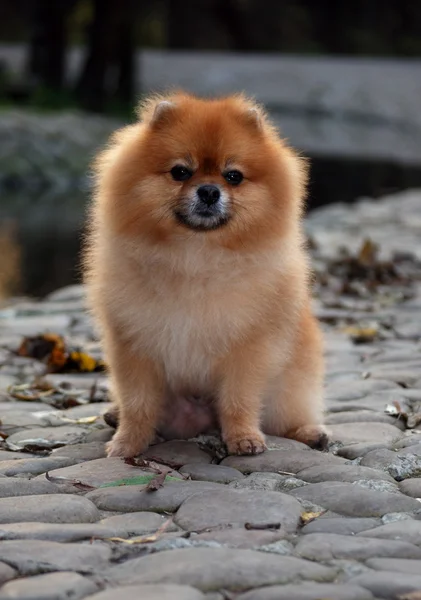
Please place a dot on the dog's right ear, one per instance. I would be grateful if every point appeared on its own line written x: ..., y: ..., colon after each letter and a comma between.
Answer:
x: 156, y: 112
x: 162, y: 113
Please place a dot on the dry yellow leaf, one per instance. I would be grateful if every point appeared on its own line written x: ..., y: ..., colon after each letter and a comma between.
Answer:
x: 306, y: 517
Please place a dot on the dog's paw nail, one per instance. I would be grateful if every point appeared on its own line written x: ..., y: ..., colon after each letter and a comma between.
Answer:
x: 246, y: 446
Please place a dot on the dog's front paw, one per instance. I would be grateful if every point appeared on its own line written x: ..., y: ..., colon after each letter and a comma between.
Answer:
x: 314, y: 436
x: 125, y: 446
x: 247, y: 443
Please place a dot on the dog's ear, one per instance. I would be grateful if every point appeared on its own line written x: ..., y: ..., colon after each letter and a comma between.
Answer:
x: 156, y: 111
x: 162, y: 113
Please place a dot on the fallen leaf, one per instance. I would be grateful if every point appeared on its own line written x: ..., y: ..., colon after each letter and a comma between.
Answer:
x: 361, y: 335
x: 367, y: 254
x: 51, y: 349
x: 75, y: 482
x: 157, y: 482
x: 307, y: 517
x: 143, y: 539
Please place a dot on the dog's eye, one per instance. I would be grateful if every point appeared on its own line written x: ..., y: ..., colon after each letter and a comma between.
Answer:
x: 180, y: 173
x: 234, y: 177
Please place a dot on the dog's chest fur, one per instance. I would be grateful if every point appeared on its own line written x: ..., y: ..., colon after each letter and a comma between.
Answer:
x: 187, y: 312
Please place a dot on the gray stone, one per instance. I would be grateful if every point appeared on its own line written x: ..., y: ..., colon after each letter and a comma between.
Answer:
x: 399, y: 465
x: 31, y: 557
x: 308, y: 591
x: 47, y: 437
x: 136, y: 498
x: 214, y: 568
x: 355, y: 390
x: 328, y: 546
x: 411, y: 487
x: 378, y: 485
x: 345, y: 472
x: 32, y: 466
x: 407, y: 530
x: 342, y: 526
x: 348, y: 433
x: 353, y: 500
x: 81, y: 452
x: 101, y: 471
x: 357, y: 450
x: 274, y: 442
x: 237, y: 507
x: 53, y: 508
x: 52, y: 586
x: 138, y: 523
x: 216, y: 473
x: 399, y: 565
x: 387, y: 584
x: 22, y: 487
x: 59, y: 532
x: 239, y: 537
x: 9, y: 455
x: 280, y: 461
x: 6, y: 573
x: 100, y: 435
x: 177, y: 453
x: 259, y: 481
x: 363, y: 416
x: 150, y: 592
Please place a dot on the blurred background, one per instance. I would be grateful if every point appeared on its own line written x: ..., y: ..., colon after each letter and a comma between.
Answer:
x: 341, y: 78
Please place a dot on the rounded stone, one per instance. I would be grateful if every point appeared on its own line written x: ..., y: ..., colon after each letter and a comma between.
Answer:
x: 11, y: 487
x: 237, y: 507
x: 346, y: 473
x: 407, y: 530
x: 47, y: 437
x: 138, y: 523
x: 33, y: 466
x: 149, y: 592
x: 211, y: 569
x: 52, y: 508
x: 216, y: 473
x: 52, y: 586
x: 348, y: 433
x: 283, y: 461
x: 177, y: 453
x: 329, y: 546
x: 411, y: 487
x: 353, y: 500
x: 308, y: 591
x: 32, y: 557
x: 135, y: 498
x: 6, y: 573
x: 348, y: 526
x: 388, y: 584
x: 101, y: 471
x: 81, y: 452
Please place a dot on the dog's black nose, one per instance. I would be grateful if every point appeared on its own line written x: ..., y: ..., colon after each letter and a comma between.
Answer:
x: 209, y: 194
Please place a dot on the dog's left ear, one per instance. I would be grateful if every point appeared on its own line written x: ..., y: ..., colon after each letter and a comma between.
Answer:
x: 253, y: 119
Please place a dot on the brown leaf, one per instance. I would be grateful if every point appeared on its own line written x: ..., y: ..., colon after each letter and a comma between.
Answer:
x: 157, y: 482
x: 75, y: 482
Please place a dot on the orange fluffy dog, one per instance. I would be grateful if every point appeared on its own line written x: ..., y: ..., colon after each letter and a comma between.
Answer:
x: 198, y: 278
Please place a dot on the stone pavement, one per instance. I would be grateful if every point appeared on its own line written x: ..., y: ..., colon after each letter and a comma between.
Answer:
x: 186, y: 522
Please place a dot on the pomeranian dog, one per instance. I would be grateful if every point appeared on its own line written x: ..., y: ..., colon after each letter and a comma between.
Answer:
x: 199, y: 280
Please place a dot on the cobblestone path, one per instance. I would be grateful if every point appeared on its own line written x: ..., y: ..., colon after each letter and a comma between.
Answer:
x: 291, y: 523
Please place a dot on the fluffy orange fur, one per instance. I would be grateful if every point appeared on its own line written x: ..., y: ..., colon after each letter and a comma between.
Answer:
x: 220, y: 313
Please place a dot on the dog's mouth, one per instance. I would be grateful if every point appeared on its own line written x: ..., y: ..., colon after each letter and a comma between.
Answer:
x: 202, y: 219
